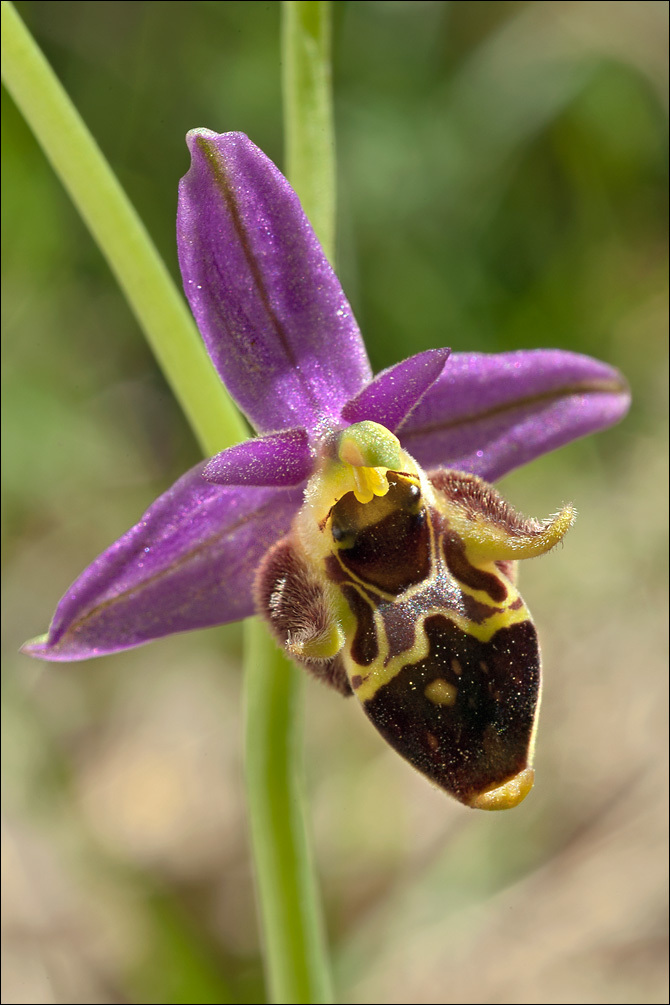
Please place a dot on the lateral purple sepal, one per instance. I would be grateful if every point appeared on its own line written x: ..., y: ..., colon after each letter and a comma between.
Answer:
x: 489, y: 414
x: 188, y: 563
x: 269, y: 307
x: 393, y: 394
x: 279, y: 459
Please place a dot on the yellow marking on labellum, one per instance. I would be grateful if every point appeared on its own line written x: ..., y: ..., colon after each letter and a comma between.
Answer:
x: 441, y: 692
x: 387, y: 665
x: 437, y: 562
x: 485, y: 631
x: 506, y: 796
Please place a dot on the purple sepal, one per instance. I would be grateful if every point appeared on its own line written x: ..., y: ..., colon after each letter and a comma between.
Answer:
x: 269, y: 306
x: 188, y: 563
x: 393, y: 394
x: 488, y: 414
x: 279, y: 459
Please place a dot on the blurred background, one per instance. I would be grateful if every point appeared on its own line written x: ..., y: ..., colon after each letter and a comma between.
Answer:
x: 502, y: 184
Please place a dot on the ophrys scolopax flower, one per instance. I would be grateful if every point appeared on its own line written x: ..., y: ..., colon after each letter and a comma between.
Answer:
x: 359, y: 522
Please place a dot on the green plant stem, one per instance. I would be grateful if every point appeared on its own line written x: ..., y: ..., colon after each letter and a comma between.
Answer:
x: 296, y: 959
x: 308, y: 113
x: 146, y: 283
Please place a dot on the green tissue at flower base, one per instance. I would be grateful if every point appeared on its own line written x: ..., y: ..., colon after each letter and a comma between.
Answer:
x: 360, y: 521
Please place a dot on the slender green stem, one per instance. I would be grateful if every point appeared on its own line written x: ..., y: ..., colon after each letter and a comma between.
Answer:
x: 295, y: 950
x: 308, y: 113
x: 158, y: 306
x: 288, y: 897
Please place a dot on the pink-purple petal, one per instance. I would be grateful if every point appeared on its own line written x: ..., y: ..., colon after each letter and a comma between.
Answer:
x: 489, y: 414
x: 278, y: 459
x: 390, y: 398
x: 269, y: 306
x: 188, y: 563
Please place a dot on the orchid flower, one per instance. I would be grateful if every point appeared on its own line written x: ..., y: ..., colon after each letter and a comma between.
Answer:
x: 360, y: 521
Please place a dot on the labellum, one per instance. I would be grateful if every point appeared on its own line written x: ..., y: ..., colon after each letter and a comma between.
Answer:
x: 398, y: 585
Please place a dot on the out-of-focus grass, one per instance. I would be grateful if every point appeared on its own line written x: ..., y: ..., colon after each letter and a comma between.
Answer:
x: 502, y: 184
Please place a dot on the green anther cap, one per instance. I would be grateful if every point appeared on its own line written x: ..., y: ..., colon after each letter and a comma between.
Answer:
x: 369, y: 445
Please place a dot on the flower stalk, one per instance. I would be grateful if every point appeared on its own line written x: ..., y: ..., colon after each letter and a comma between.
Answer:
x: 295, y: 959
x: 309, y: 135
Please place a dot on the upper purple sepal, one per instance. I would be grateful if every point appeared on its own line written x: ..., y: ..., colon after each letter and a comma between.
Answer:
x: 489, y: 414
x: 270, y: 308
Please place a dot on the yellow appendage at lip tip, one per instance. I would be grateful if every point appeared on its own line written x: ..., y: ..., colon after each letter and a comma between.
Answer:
x: 508, y: 795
